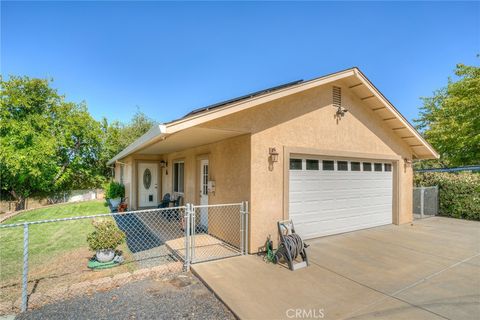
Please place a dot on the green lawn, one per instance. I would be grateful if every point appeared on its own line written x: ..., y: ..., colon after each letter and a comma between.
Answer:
x: 50, y: 244
x: 61, y: 211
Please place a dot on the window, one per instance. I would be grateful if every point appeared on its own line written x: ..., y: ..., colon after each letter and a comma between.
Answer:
x: 367, y: 166
x: 388, y: 167
x: 312, y: 164
x: 178, y: 177
x: 378, y: 167
x: 328, y: 165
x: 121, y: 173
x: 342, y: 165
x: 295, y: 164
x: 355, y: 166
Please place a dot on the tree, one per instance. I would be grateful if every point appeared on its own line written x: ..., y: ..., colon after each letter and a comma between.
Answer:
x: 117, y: 136
x: 47, y: 144
x: 450, y: 119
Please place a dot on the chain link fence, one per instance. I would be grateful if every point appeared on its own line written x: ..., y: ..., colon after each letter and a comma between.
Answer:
x: 46, y: 261
x: 425, y: 202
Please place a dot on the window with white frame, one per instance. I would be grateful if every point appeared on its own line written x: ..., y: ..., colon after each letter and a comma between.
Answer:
x: 178, y: 176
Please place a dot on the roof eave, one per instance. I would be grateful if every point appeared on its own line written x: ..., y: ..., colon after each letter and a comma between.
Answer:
x: 158, y: 131
x: 433, y: 153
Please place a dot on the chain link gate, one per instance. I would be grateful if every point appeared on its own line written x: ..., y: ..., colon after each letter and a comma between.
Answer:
x: 214, y: 232
x: 425, y: 202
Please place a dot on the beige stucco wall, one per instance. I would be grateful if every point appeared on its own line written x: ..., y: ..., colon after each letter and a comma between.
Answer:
x: 229, y: 167
x: 308, y: 120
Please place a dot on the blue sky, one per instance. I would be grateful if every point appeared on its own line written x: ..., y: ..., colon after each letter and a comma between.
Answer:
x: 170, y: 58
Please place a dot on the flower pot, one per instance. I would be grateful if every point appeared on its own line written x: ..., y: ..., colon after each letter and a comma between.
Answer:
x: 115, y: 202
x: 105, y: 255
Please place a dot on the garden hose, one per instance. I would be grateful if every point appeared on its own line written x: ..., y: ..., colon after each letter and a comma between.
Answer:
x: 270, y: 256
x: 294, y: 244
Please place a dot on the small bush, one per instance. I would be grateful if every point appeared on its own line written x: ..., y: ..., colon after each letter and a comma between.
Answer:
x: 459, y: 193
x: 114, y: 190
x: 106, y: 235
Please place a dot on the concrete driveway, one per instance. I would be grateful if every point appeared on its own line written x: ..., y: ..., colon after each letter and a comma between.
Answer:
x: 428, y: 270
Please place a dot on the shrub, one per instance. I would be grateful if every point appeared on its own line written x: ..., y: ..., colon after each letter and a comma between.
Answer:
x: 459, y: 193
x: 114, y: 190
x: 105, y: 236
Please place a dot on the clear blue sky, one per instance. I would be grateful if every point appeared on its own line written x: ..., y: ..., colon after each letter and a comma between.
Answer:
x: 169, y: 58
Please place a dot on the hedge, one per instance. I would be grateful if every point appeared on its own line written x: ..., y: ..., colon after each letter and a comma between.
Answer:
x: 459, y: 193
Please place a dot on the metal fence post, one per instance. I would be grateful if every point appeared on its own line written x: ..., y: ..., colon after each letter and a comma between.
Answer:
x: 192, y: 231
x: 422, y: 201
x: 437, y: 203
x: 242, y: 228
x: 187, y: 237
x: 245, y: 233
x: 25, y: 268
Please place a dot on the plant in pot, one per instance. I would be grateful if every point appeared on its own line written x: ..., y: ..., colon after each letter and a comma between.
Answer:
x: 105, y: 239
x: 114, y: 192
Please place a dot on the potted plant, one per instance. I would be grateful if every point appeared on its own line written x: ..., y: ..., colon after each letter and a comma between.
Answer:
x: 105, y: 239
x: 114, y: 192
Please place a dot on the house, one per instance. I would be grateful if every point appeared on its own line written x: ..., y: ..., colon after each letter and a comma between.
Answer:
x: 332, y: 153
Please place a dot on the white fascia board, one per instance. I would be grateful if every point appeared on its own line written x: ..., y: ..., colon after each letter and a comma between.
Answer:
x: 397, y: 114
x: 157, y: 131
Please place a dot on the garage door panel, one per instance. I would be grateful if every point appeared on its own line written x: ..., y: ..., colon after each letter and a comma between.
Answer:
x: 329, y: 202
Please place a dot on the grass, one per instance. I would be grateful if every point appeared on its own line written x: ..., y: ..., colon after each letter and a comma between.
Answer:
x: 61, y: 211
x: 56, y: 250
x: 46, y: 240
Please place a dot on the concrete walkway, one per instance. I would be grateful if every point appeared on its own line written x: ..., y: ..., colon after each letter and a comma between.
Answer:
x: 428, y: 270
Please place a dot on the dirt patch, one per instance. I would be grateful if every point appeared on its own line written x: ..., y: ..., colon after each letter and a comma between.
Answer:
x: 58, y: 272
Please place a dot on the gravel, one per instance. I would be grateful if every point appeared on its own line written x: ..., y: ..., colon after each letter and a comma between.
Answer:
x: 181, y: 297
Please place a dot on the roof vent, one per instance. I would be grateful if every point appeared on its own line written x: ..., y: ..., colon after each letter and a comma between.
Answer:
x: 337, y: 102
x: 337, y: 97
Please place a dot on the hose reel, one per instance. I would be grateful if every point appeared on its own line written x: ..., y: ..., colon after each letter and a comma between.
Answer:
x: 291, y: 246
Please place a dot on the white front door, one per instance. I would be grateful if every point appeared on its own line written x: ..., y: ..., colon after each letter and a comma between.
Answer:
x: 147, y: 184
x: 204, y: 192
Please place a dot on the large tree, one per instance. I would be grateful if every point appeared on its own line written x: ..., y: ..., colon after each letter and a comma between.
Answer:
x: 47, y: 144
x: 450, y: 119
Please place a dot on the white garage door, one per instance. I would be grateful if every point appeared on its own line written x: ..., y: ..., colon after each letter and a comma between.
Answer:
x: 329, y: 196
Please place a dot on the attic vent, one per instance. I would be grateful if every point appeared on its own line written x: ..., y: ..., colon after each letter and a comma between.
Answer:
x: 337, y: 97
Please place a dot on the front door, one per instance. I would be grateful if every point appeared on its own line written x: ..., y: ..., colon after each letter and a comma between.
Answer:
x: 147, y: 184
x: 204, y: 193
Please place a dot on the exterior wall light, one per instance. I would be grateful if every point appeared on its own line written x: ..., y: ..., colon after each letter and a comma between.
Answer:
x: 164, y: 164
x: 273, y: 154
x: 408, y: 162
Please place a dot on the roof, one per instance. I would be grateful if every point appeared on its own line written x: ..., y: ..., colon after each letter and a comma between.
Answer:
x: 244, y: 97
x: 355, y: 80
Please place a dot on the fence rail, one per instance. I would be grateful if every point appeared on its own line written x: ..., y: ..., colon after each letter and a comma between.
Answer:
x: 425, y: 202
x: 46, y: 261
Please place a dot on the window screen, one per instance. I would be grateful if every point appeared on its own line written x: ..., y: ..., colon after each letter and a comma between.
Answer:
x: 178, y: 168
x: 327, y: 165
x: 367, y: 166
x: 342, y: 165
x: 295, y: 164
x: 388, y: 167
x: 355, y: 166
x: 312, y: 164
x: 378, y: 167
